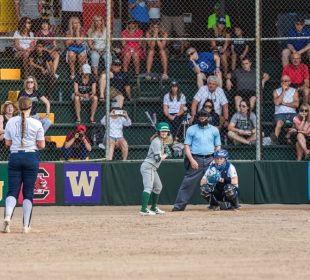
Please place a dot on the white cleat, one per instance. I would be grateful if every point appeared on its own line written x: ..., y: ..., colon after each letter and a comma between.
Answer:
x: 147, y: 212
x: 6, y: 225
x: 26, y: 229
x: 158, y: 211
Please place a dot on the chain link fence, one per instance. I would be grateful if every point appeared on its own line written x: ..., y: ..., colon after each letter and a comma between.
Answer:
x: 167, y: 60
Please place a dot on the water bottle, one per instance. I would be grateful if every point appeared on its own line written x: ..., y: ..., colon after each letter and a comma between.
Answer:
x: 60, y: 95
x: 94, y: 140
x: 154, y: 117
x: 225, y: 140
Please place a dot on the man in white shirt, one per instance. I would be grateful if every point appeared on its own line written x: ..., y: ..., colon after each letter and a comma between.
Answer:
x: 216, y: 94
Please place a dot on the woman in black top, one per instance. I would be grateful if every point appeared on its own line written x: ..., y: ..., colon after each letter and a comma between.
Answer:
x: 85, y: 90
x: 214, y: 118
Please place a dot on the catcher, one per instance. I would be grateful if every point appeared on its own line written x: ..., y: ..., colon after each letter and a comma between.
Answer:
x: 158, y: 151
x: 219, y: 185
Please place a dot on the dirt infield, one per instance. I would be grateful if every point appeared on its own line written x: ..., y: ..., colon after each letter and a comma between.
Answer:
x: 256, y: 242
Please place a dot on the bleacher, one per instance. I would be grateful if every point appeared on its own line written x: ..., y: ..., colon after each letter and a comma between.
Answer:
x: 147, y: 96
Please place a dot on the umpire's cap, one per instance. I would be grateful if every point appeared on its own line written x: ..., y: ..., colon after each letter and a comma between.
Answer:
x: 203, y: 113
x: 163, y: 126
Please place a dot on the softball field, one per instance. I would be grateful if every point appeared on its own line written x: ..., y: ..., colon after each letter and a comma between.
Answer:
x: 103, y: 242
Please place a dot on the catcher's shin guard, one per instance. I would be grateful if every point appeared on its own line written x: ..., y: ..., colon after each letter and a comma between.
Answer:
x: 232, y: 195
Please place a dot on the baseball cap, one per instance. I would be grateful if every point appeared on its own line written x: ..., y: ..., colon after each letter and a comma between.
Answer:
x: 86, y: 69
x: 80, y: 128
x: 190, y: 50
x: 221, y: 20
x: 163, y: 126
x: 203, y: 113
x: 174, y: 83
x: 116, y: 61
x: 299, y: 19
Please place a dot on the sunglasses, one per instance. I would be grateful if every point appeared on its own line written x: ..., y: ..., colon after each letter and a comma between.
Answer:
x: 208, y: 106
x: 30, y: 82
x: 304, y: 110
x: 190, y: 54
x: 285, y: 81
x: 242, y: 106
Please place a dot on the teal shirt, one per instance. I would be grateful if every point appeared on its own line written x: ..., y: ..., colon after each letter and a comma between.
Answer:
x: 202, y: 141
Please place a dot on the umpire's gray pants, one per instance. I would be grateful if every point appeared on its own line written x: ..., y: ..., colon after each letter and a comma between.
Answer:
x: 151, y: 180
x: 190, y: 181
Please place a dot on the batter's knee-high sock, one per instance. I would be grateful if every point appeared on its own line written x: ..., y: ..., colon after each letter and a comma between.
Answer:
x: 27, y: 211
x: 10, y: 204
x: 155, y: 198
x: 145, y: 200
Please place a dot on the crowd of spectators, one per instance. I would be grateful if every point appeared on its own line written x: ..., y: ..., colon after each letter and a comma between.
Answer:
x: 223, y: 71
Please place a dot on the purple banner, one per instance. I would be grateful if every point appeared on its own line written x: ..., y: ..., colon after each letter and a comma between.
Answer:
x: 82, y: 183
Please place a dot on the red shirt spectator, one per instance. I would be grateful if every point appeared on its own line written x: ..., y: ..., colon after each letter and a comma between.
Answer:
x: 298, y: 74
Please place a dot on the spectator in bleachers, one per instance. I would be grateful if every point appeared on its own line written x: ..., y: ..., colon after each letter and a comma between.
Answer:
x: 42, y: 66
x: 221, y: 46
x: 155, y: 31
x: 212, y: 19
x: 173, y: 108
x: 8, y: 111
x: 119, y: 84
x: 97, y: 46
x: 244, y: 81
x: 30, y: 9
x: 139, y: 12
x: 242, y: 126
x: 132, y: 49
x: 302, y: 128
x: 216, y: 94
x: 77, y: 144
x: 85, y: 89
x: 50, y: 45
x: 172, y: 18
x: 154, y: 9
x: 118, y: 120
x: 286, y: 100
x: 299, y: 75
x: 204, y: 64
x: 70, y: 9
x: 302, y: 46
x: 23, y: 47
x: 76, y: 49
x: 214, y: 118
x: 31, y: 90
x: 239, y: 48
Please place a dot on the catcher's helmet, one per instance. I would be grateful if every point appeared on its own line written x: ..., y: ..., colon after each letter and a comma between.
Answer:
x: 221, y: 153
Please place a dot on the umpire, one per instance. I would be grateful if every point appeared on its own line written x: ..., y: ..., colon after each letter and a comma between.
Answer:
x: 25, y: 136
x: 201, y: 140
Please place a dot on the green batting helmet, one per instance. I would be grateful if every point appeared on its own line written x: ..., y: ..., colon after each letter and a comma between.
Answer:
x: 163, y: 126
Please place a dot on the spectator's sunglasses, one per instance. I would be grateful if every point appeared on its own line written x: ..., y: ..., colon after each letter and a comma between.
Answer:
x: 30, y: 82
x: 304, y: 110
x: 208, y: 106
x: 190, y: 54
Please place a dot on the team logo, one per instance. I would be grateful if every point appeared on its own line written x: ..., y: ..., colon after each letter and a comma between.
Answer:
x: 82, y: 183
x: 41, y: 190
x: 44, y: 188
